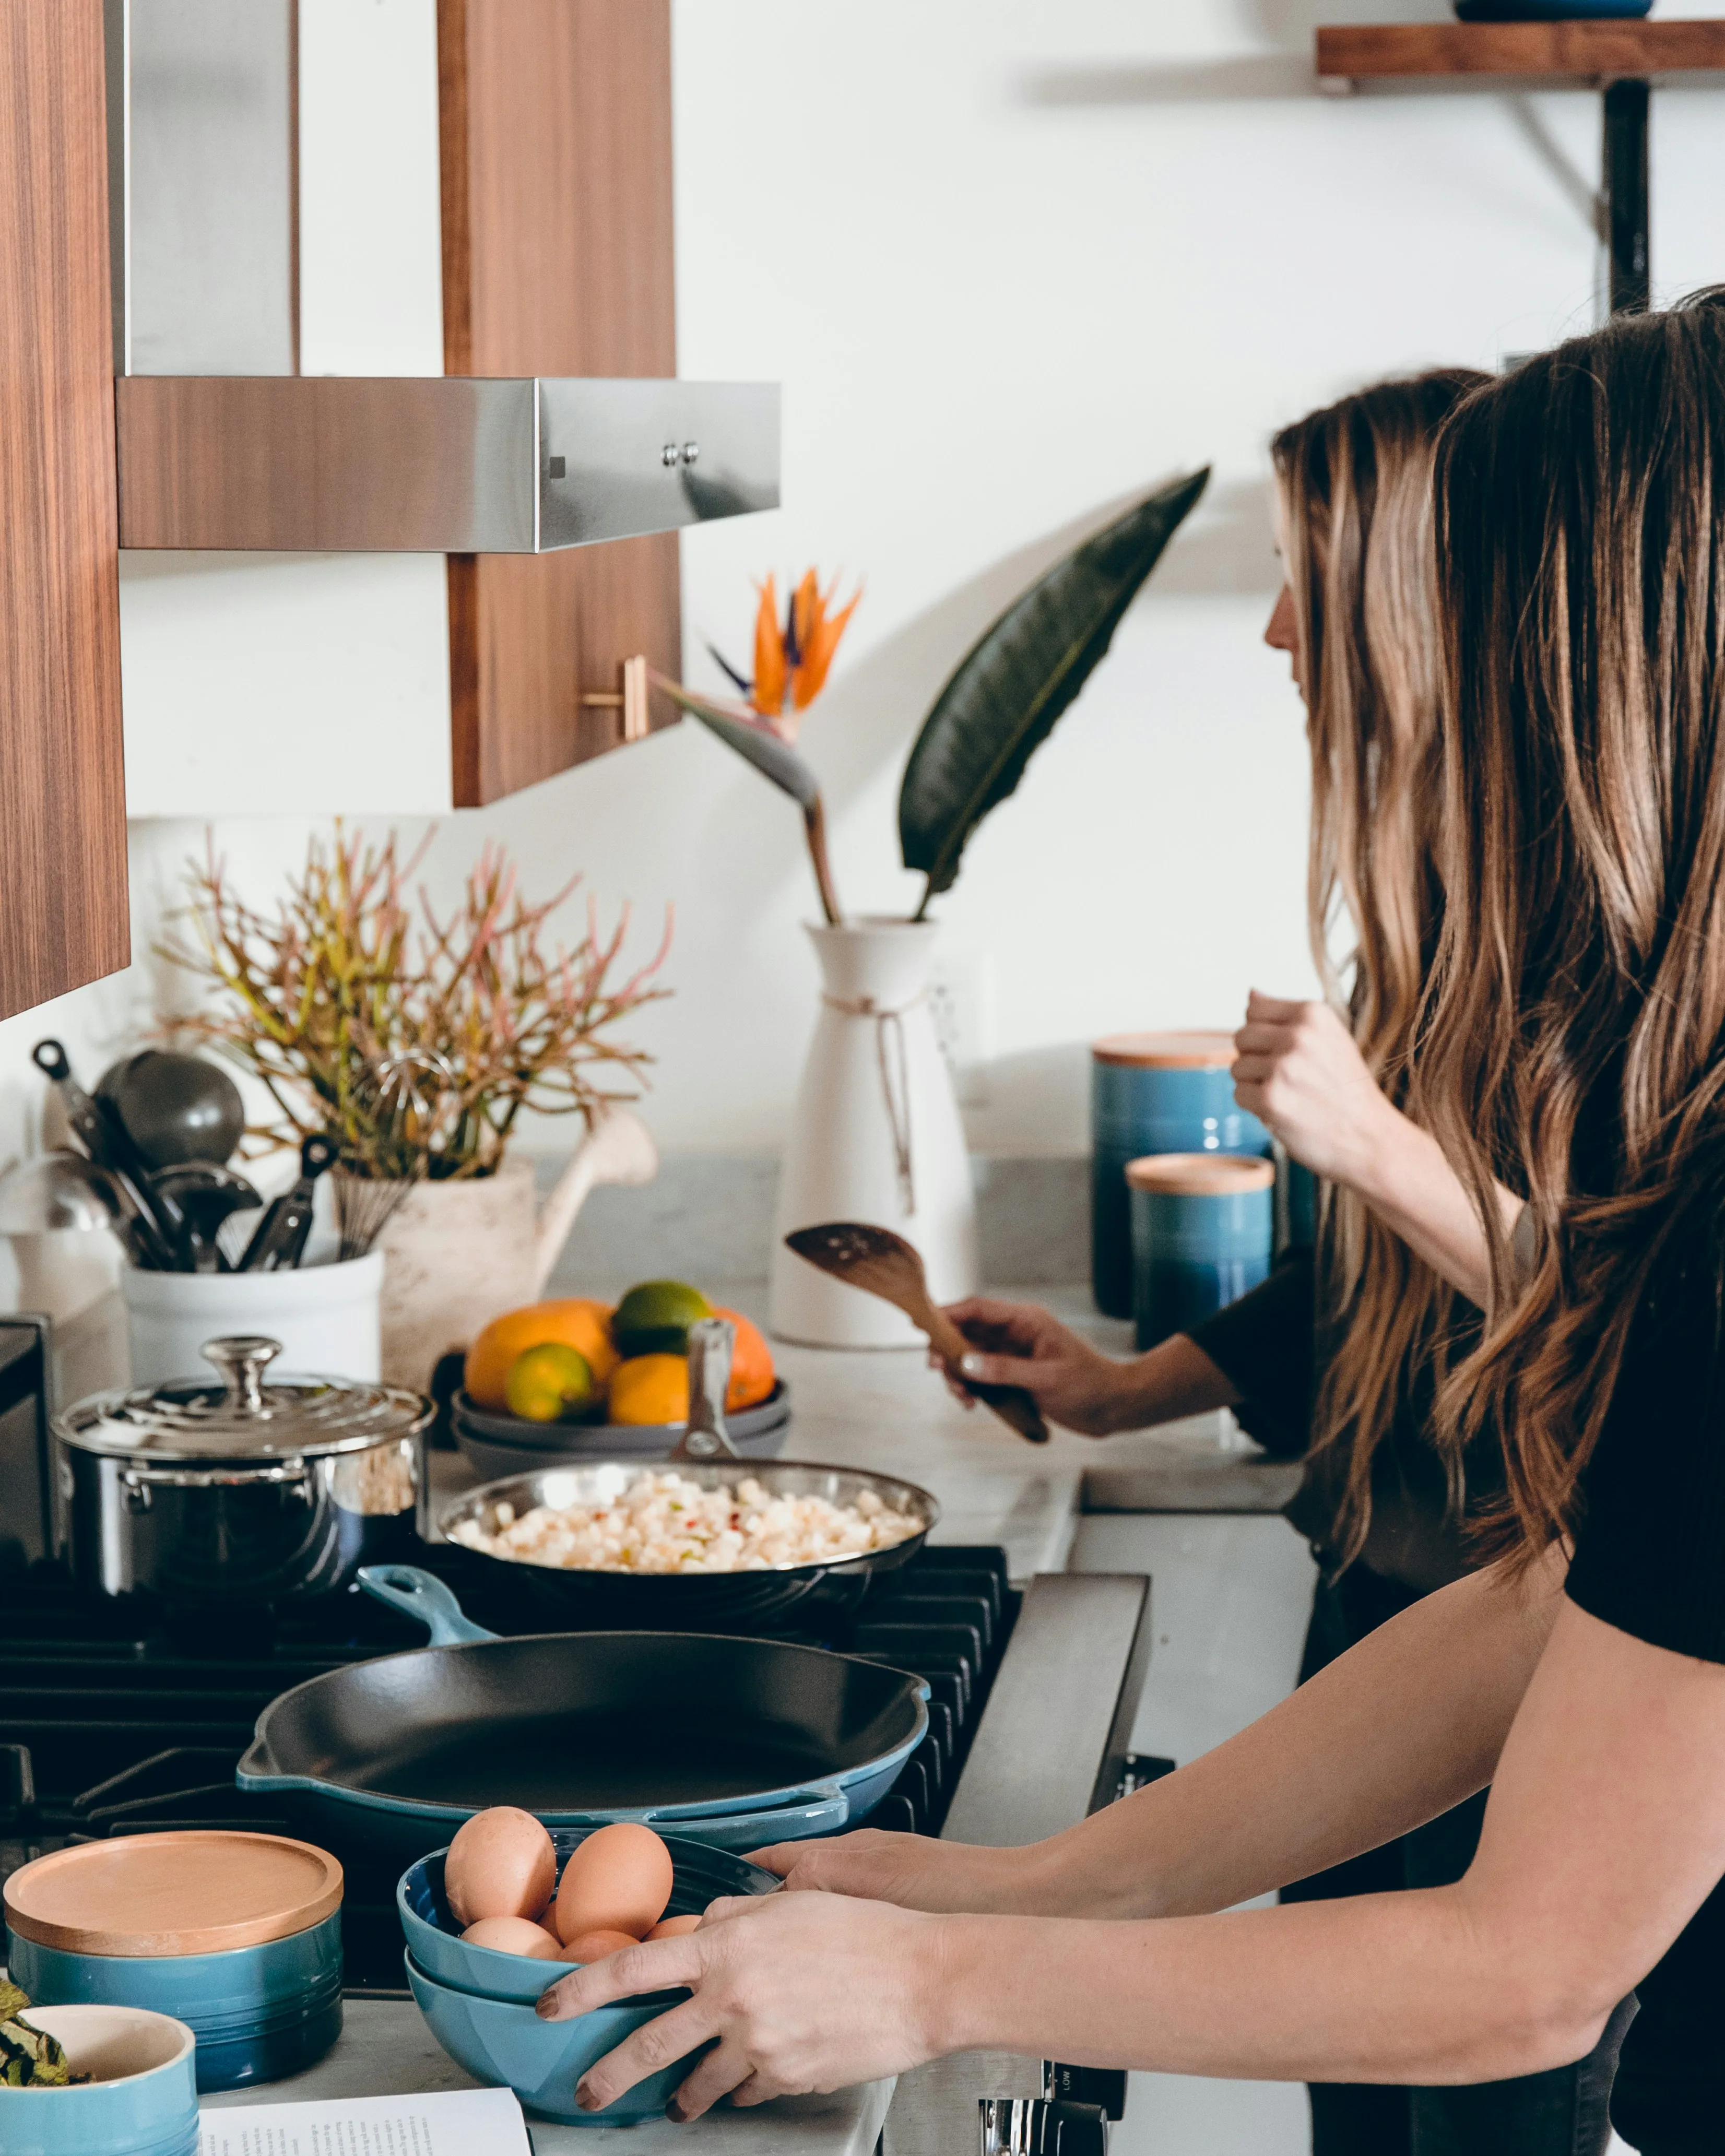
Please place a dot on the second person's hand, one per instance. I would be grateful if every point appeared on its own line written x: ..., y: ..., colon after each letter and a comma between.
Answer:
x: 1299, y: 1072
x: 1020, y: 1343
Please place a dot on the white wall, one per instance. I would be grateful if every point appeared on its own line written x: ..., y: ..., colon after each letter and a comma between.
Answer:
x: 1010, y: 261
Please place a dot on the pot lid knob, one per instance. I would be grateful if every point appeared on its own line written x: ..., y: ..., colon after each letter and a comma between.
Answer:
x: 242, y: 1358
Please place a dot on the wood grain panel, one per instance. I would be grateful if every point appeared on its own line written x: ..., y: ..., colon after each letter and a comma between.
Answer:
x: 63, y: 915
x: 557, y: 260
x: 1588, y: 50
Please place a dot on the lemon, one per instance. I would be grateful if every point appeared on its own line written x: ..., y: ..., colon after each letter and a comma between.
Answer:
x: 650, y: 1390
x: 655, y: 1317
x: 550, y: 1383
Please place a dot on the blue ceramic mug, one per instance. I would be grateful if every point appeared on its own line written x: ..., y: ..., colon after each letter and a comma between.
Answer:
x: 1202, y: 1225
x: 1150, y: 1093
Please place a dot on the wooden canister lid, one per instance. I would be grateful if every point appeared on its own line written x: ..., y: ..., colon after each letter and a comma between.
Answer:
x: 1167, y: 1051
x: 1201, y: 1175
x: 201, y: 1891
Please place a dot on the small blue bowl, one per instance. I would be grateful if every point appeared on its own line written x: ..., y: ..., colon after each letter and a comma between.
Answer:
x: 259, y: 2013
x: 144, y: 2101
x: 503, y: 2041
x: 699, y: 1876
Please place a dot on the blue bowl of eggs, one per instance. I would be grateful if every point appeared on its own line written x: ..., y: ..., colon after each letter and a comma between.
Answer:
x: 510, y: 1907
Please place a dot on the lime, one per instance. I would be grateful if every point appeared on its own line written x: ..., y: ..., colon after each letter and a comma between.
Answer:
x: 654, y: 1318
x: 550, y: 1383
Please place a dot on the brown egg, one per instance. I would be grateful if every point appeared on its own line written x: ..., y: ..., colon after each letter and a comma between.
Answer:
x: 595, y: 1946
x: 514, y: 1935
x: 672, y: 1927
x: 500, y: 1864
x: 618, y: 1880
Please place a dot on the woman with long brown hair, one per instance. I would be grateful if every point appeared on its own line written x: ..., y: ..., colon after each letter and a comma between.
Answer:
x: 1336, y: 1357
x: 1576, y: 1040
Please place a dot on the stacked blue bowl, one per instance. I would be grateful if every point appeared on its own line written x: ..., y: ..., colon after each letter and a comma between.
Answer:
x: 478, y: 2004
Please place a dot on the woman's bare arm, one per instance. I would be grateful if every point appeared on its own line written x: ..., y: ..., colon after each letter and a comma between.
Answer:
x: 1418, y: 1712
x: 1613, y: 1777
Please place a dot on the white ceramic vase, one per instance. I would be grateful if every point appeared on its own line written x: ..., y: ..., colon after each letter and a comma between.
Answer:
x: 875, y: 1136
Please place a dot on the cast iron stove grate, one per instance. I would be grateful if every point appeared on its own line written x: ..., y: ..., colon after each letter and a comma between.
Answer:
x: 115, y: 1721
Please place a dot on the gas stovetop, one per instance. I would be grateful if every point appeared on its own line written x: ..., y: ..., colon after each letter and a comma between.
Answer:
x: 116, y: 1719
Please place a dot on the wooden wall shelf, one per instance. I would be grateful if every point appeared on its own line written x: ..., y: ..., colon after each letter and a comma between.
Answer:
x: 1589, y: 53
x: 1622, y: 58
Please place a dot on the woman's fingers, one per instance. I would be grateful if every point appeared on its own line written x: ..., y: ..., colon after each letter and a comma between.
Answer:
x: 1021, y: 1370
x: 724, y: 2070
x: 656, y: 1965
x: 656, y: 2045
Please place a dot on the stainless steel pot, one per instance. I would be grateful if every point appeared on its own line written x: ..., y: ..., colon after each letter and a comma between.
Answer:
x: 241, y: 1492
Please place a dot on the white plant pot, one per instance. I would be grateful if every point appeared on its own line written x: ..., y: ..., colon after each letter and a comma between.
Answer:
x: 326, y: 1317
x: 875, y: 1136
x: 458, y: 1255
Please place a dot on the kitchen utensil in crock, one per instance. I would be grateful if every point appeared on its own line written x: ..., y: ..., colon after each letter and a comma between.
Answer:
x: 173, y: 1107
x: 727, y: 1600
x: 152, y: 1227
x: 733, y: 1742
x: 207, y: 1195
x: 238, y: 1935
x: 244, y: 1491
x: 699, y: 1874
x: 60, y: 1190
x: 885, y: 1265
x: 278, y: 1241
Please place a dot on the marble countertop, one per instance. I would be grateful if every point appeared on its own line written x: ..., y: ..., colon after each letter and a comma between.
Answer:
x: 885, y: 1410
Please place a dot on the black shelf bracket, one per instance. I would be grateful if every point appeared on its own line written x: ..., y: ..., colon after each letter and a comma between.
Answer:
x: 1623, y: 165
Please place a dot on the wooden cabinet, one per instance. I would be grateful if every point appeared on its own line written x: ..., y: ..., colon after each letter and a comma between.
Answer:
x: 555, y: 132
x: 63, y: 914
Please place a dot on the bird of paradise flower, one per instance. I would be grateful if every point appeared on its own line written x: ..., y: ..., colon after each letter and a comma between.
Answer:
x: 792, y: 657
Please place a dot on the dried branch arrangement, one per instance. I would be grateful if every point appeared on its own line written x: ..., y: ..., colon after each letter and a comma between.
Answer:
x: 416, y: 1041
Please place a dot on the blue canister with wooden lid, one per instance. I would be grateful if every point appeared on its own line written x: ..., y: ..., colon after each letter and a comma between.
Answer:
x: 1154, y: 1093
x: 238, y: 1935
x: 1202, y: 1227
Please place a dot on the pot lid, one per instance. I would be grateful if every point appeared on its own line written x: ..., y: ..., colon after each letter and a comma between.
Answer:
x: 243, y: 1418
x: 203, y: 1890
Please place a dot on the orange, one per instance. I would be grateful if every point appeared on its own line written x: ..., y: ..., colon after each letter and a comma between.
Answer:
x: 577, y: 1321
x: 650, y: 1388
x: 751, y: 1373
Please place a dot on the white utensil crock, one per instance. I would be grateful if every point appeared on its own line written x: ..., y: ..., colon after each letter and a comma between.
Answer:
x: 326, y: 1317
x: 875, y: 1136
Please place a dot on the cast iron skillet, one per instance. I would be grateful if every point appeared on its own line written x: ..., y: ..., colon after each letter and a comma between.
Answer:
x: 735, y: 1742
x: 691, y: 1600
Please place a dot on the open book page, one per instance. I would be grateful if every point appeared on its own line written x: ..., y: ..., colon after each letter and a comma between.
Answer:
x: 452, y: 2122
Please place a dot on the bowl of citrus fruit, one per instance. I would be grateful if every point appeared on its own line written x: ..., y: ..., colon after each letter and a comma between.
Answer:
x: 578, y: 1378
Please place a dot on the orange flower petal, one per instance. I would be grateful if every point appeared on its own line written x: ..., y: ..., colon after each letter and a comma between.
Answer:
x: 811, y: 676
x: 767, y: 694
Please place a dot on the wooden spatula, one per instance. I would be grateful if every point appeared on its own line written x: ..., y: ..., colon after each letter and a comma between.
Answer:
x: 888, y: 1266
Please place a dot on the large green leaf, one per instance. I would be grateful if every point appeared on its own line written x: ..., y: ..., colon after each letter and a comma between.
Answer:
x: 1001, y: 704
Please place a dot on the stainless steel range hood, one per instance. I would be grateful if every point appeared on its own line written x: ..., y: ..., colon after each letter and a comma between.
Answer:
x: 222, y: 444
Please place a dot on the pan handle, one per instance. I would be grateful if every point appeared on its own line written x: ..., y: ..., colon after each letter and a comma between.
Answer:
x: 423, y: 1597
x: 823, y: 1814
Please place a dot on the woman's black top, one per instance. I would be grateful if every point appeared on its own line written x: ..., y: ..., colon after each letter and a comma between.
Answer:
x: 1266, y: 1345
x: 1649, y: 1545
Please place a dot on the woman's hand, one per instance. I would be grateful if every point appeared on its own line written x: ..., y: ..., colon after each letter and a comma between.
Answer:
x: 792, y: 1992
x: 913, y: 1870
x: 1074, y: 1385
x: 1300, y: 1073
x: 1018, y: 1343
